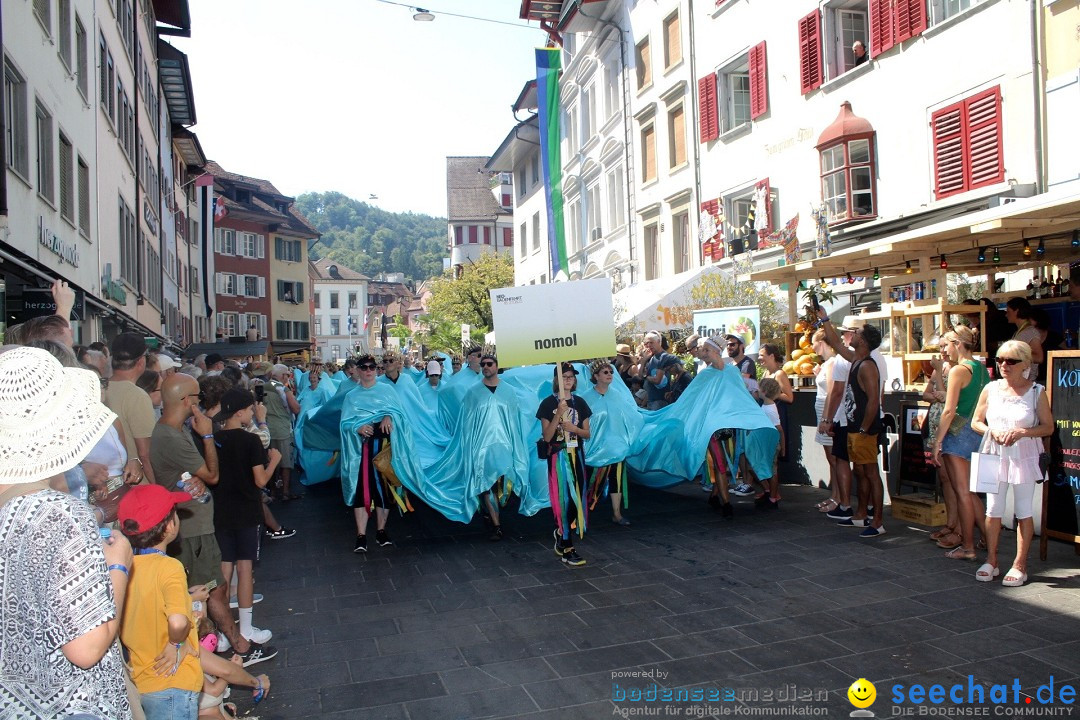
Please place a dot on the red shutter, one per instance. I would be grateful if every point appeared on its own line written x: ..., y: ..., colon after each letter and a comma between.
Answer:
x: 986, y: 164
x: 810, y: 52
x: 708, y: 118
x: 910, y: 19
x: 506, y: 199
x: 881, y: 26
x: 508, y: 237
x: 947, y: 128
x: 487, y: 235
x: 759, y: 82
x: 472, y: 234
x: 457, y: 234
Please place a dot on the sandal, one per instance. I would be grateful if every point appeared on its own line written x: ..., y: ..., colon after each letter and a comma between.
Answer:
x: 827, y: 505
x: 987, y: 572
x: 938, y: 534
x: 1014, y: 578
x: 981, y: 545
x: 959, y: 553
x: 229, y: 710
x: 950, y: 541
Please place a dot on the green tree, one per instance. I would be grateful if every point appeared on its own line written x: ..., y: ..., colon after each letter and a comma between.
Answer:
x: 399, y: 328
x: 465, y: 299
x: 715, y: 290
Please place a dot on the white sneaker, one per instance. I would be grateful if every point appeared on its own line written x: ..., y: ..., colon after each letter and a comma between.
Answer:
x: 256, y: 598
x: 223, y: 644
x: 258, y: 635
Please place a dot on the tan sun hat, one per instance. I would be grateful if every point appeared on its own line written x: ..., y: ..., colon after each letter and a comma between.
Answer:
x: 50, y: 416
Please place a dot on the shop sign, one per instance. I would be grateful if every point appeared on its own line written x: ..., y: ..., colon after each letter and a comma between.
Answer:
x: 744, y: 321
x: 112, y: 289
x: 67, y: 252
x: 38, y: 302
x: 150, y: 216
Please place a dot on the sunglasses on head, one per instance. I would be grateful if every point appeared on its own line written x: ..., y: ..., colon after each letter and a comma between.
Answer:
x: 1008, y: 361
x: 487, y: 363
x: 367, y: 366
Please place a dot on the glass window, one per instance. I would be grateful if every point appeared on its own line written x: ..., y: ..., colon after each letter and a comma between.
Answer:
x: 847, y: 180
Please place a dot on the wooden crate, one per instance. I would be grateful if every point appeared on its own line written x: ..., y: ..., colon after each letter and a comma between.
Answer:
x: 918, y: 508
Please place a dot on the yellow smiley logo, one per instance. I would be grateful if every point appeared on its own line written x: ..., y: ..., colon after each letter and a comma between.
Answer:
x: 862, y: 693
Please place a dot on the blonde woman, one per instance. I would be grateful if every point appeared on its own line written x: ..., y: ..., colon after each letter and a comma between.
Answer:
x: 955, y: 440
x: 823, y: 385
x: 1013, y: 414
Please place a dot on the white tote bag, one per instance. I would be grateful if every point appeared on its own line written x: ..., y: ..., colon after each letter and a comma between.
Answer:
x: 984, y: 472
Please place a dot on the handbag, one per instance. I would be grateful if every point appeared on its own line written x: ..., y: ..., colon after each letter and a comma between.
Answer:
x: 384, y: 465
x: 984, y: 472
x: 1044, y: 457
x: 546, y: 449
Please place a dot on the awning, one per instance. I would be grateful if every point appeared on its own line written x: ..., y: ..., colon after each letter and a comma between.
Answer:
x: 1051, y: 217
x: 649, y: 304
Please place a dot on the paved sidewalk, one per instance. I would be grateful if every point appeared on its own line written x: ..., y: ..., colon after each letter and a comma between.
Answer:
x: 446, y: 624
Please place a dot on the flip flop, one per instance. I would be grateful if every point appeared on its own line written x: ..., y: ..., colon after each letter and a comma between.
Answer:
x: 938, y: 534
x: 959, y: 553
x: 827, y: 505
x: 946, y: 542
x: 987, y: 572
x: 1014, y: 578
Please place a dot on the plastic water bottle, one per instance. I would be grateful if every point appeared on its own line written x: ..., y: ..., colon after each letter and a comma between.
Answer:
x: 185, y: 482
x: 79, y: 489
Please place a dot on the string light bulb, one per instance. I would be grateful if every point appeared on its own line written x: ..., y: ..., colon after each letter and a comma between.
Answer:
x: 850, y: 279
x: 982, y: 254
x: 944, y: 263
x: 997, y: 256
x: 907, y: 268
x: 1027, y: 249
x: 877, y: 275
x: 1041, y: 250
x: 1076, y: 239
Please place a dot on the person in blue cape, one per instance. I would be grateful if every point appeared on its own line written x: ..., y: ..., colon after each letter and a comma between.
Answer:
x: 615, y: 426
x: 316, y: 465
x: 371, y: 419
x: 564, y: 423
x: 430, y: 386
x: 429, y: 437
x: 677, y: 441
x: 457, y: 385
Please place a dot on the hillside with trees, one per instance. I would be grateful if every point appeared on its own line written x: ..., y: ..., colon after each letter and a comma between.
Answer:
x: 371, y: 240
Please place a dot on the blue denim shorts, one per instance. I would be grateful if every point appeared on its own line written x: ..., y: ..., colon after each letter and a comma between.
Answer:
x: 172, y: 704
x: 960, y: 444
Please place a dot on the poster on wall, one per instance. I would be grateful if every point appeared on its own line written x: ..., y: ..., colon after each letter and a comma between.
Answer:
x: 537, y: 324
x: 744, y: 321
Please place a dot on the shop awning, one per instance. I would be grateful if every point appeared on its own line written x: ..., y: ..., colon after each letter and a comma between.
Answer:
x: 1051, y: 217
x: 649, y: 304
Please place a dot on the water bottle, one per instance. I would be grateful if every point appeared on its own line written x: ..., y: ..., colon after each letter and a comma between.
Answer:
x: 184, y: 483
x: 79, y: 489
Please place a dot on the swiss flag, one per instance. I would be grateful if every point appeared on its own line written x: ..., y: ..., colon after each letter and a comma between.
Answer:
x: 220, y: 211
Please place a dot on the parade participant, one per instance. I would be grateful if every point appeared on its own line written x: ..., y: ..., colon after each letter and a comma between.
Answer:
x: 1013, y: 414
x: 369, y: 418
x: 456, y: 386
x: 863, y: 403
x: 956, y: 439
x: 392, y: 363
x: 60, y: 585
x: 564, y: 422
x: 716, y: 465
x: 615, y: 424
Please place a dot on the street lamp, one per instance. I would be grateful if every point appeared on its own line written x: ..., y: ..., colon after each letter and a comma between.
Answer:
x: 422, y: 15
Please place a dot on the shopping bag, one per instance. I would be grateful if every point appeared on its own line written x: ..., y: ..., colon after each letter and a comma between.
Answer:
x: 984, y: 472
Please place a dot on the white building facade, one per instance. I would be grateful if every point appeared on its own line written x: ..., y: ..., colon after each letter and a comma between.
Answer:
x: 339, y: 298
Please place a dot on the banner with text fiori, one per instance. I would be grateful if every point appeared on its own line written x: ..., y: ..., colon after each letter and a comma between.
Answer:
x: 744, y: 321
x: 537, y: 324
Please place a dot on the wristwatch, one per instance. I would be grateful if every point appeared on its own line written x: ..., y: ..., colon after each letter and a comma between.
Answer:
x: 862, y: 431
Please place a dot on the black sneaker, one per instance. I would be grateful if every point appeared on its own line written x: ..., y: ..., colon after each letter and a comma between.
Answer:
x: 281, y: 533
x: 257, y: 653
x: 383, y: 539
x: 571, y: 558
x: 558, y: 543
x: 496, y: 534
x: 361, y: 544
x: 714, y: 502
x: 727, y: 511
x: 840, y: 513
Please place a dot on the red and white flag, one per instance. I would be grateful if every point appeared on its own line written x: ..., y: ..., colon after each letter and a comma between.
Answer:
x: 220, y: 211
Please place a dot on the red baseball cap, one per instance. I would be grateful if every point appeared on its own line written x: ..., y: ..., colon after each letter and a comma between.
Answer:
x: 148, y: 505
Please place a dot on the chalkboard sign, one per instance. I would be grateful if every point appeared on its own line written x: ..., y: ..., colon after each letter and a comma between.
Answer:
x: 915, y: 466
x: 1061, y: 501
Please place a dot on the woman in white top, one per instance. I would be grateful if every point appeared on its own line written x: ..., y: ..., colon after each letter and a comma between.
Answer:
x: 1018, y: 312
x: 1014, y: 415
x: 823, y: 385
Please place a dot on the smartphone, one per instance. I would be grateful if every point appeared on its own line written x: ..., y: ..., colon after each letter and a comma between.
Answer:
x: 260, y: 393
x: 815, y: 303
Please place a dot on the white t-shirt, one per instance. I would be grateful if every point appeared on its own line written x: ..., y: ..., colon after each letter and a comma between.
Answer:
x: 771, y: 412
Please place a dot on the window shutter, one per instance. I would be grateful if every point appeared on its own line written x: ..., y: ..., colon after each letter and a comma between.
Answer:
x: 759, y: 82
x: 279, y: 249
x: 217, y: 283
x: 260, y: 246
x: 910, y: 19
x: 810, y: 52
x: 983, y: 133
x: 881, y: 26
x: 708, y: 119
x: 299, y: 292
x: 487, y: 235
x: 947, y: 129
x: 508, y: 237
x: 262, y: 287
x: 217, y: 240
x: 280, y: 289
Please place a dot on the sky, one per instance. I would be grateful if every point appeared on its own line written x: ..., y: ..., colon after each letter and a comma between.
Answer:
x: 354, y: 95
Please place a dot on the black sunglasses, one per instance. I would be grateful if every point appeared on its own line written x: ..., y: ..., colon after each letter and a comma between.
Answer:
x: 1008, y: 361
x: 367, y: 366
x: 487, y: 363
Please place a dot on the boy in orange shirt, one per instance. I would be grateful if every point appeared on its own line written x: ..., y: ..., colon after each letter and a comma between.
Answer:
x: 158, y: 627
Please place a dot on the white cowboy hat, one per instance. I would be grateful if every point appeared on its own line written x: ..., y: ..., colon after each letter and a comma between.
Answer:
x: 50, y: 416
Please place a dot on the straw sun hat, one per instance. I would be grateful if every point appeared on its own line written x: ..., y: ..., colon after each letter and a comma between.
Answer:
x: 50, y: 416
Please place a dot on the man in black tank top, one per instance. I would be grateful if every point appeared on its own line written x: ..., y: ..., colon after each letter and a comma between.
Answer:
x: 862, y: 402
